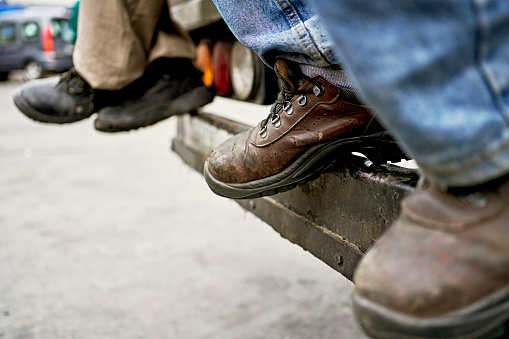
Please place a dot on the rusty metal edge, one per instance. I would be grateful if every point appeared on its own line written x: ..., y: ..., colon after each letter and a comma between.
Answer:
x: 330, y: 247
x: 338, y: 253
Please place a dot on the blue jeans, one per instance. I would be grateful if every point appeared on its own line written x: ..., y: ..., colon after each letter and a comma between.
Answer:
x: 279, y: 28
x: 436, y: 73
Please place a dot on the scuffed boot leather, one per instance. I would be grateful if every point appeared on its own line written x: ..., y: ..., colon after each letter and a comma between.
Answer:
x: 59, y: 100
x: 441, y: 271
x: 309, y: 123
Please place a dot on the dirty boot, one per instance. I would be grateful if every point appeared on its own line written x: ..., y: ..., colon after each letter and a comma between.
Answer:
x: 312, y: 123
x: 57, y: 100
x: 172, y: 86
x: 442, y: 269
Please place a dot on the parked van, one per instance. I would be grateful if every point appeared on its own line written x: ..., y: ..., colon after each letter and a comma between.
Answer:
x: 35, y: 39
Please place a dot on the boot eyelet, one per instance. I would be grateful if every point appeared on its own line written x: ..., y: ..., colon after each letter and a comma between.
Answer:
x: 302, y: 101
x: 288, y: 108
x: 318, y: 90
x: 276, y: 121
x: 263, y: 132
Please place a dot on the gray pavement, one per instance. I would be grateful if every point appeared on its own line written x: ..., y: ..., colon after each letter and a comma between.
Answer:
x: 112, y: 236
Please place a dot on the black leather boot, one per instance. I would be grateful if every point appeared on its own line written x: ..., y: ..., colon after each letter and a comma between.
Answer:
x: 57, y: 100
x: 168, y: 87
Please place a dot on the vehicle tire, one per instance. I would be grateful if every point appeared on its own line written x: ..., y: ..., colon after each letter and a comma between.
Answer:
x: 33, y: 70
x: 4, y: 76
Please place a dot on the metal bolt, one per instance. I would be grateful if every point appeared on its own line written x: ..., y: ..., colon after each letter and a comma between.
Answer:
x: 368, y: 163
x: 338, y: 258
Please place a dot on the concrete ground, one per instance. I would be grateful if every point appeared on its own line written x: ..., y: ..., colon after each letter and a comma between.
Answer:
x: 112, y: 236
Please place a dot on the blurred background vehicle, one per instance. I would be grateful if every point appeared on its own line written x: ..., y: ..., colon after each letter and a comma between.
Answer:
x: 233, y: 69
x: 35, y: 39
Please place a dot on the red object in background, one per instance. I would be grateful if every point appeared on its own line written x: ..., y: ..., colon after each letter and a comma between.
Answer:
x: 48, y: 44
x: 221, y: 67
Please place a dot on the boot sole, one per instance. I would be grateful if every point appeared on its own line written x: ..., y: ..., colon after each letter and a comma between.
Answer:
x: 482, y: 320
x: 378, y: 147
x: 33, y: 114
x: 156, y: 112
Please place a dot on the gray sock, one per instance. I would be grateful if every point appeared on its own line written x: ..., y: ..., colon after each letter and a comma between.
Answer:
x: 332, y: 74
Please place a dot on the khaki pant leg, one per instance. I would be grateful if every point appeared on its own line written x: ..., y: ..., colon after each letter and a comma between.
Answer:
x: 117, y: 39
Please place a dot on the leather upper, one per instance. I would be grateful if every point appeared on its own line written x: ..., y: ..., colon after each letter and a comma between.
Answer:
x: 446, y: 252
x: 253, y: 154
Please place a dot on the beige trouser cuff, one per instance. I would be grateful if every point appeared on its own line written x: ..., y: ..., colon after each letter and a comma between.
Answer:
x: 117, y: 39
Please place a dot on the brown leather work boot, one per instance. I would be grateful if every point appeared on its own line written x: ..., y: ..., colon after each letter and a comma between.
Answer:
x: 442, y: 270
x: 311, y: 122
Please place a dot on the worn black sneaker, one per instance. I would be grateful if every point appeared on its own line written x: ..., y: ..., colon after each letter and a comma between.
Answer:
x: 172, y: 86
x: 57, y: 100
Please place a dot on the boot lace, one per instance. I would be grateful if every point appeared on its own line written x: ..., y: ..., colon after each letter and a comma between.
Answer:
x: 283, y: 101
x: 75, y: 84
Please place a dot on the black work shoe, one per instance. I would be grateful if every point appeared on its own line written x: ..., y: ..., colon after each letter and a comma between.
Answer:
x: 57, y: 100
x: 176, y: 89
